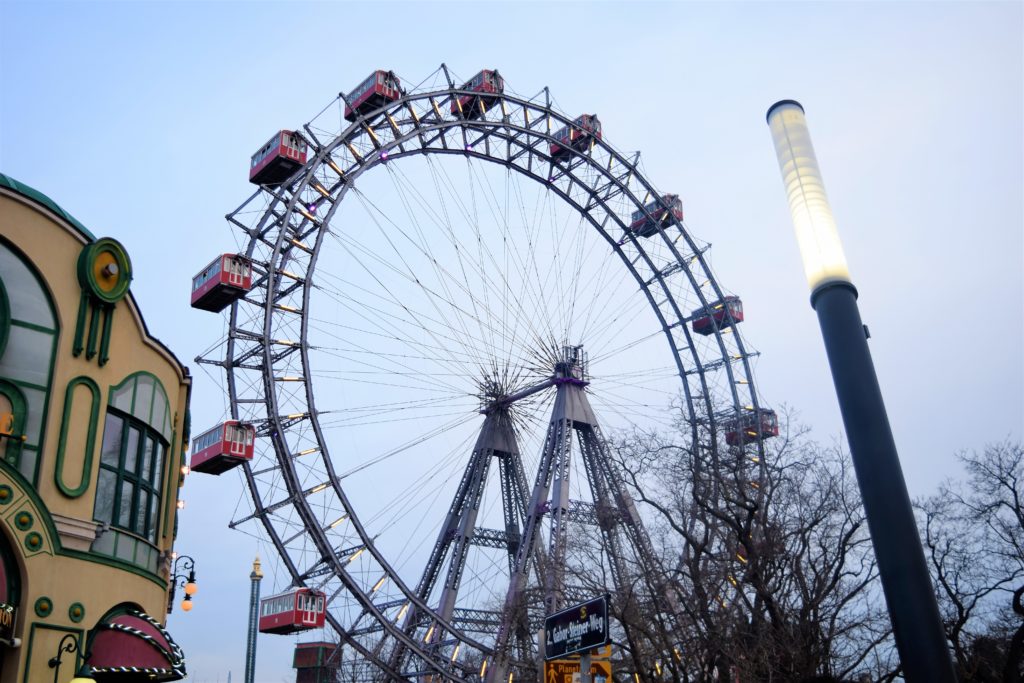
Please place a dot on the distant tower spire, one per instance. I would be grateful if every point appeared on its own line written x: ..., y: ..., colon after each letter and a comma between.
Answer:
x: 254, y: 606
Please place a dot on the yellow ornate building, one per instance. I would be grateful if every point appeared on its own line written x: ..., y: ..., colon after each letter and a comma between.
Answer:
x: 93, y: 419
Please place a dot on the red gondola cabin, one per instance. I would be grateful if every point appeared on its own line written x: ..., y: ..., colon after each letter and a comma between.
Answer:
x: 377, y: 90
x: 277, y: 160
x: 223, y: 447
x: 724, y: 312
x: 656, y: 214
x: 226, y: 279
x: 297, y: 609
x: 750, y: 425
x: 488, y: 85
x: 576, y: 136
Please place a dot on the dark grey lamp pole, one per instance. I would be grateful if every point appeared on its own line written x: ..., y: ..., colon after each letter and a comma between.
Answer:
x: 917, y: 625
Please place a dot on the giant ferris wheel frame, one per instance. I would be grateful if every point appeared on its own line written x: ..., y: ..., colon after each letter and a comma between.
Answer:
x: 601, y: 184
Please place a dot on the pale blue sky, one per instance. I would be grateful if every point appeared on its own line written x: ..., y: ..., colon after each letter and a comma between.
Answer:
x: 139, y: 119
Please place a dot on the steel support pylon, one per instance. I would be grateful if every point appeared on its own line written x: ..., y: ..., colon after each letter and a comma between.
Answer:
x: 496, y: 440
x: 616, y: 516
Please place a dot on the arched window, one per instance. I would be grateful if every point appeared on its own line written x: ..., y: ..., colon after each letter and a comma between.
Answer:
x: 28, y: 337
x: 136, y: 436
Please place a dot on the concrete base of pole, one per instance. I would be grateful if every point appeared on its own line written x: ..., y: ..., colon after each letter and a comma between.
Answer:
x: 920, y: 638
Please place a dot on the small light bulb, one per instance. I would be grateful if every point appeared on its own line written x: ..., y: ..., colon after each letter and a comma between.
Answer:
x: 185, y: 469
x: 186, y: 605
x: 181, y: 505
x: 191, y: 588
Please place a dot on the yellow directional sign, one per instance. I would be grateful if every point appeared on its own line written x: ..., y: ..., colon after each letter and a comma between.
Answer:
x: 568, y: 671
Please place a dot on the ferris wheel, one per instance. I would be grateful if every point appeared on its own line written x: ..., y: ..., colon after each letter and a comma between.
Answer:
x: 451, y: 303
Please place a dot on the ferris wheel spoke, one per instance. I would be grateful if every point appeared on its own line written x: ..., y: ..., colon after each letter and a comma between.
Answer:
x: 484, y: 268
x: 387, y: 324
x: 419, y: 321
x: 422, y: 319
x: 408, y: 194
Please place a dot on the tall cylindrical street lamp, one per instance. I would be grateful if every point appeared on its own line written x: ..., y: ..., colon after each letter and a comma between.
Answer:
x: 908, y: 590
x: 254, y: 606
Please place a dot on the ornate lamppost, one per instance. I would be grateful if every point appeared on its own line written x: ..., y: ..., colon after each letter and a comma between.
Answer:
x: 69, y: 645
x: 916, y: 622
x: 183, y: 576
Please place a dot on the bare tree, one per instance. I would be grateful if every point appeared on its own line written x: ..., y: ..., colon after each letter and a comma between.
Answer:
x: 973, y: 532
x: 770, y: 557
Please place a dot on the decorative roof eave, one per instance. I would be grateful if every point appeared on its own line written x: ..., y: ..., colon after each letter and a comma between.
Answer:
x: 39, y: 198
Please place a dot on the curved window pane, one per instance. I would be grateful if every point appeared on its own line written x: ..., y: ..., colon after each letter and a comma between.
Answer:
x: 27, y: 355
x: 141, y: 508
x: 158, y: 467
x: 147, y: 460
x: 154, y: 502
x: 111, y: 453
x: 106, y: 487
x: 143, y: 399
x: 131, y: 453
x: 121, y: 398
x: 28, y: 299
x: 124, y: 514
x: 161, y: 415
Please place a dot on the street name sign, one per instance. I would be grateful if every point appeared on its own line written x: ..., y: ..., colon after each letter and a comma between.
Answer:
x: 577, y: 629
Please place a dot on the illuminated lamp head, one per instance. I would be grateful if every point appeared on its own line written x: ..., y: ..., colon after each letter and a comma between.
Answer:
x: 816, y: 233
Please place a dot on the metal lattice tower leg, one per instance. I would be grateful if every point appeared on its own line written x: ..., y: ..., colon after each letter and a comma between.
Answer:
x: 616, y: 513
x: 496, y: 440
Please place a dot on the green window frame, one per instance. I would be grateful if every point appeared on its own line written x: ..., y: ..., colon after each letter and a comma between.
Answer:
x: 131, y: 474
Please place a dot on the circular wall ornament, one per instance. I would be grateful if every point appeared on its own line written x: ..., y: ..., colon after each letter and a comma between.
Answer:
x: 44, y: 606
x: 6, y: 494
x: 104, y: 270
x: 76, y: 612
x: 34, y: 541
x: 23, y: 520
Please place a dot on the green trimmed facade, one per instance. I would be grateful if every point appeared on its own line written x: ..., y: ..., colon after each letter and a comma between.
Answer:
x: 93, y: 433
